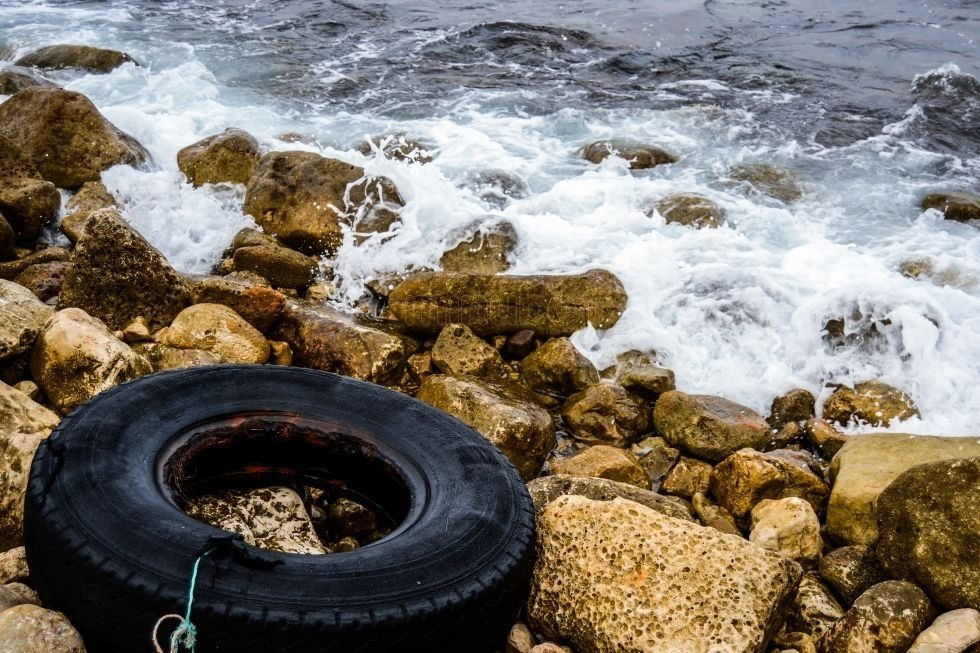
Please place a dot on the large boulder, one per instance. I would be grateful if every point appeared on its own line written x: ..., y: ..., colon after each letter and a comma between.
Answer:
x: 117, y: 276
x: 228, y: 157
x: 17, y: 78
x: 83, y: 57
x: 618, y: 577
x: 708, y: 427
x: 504, y: 413
x: 219, y: 330
x: 32, y: 629
x: 22, y: 315
x: 481, y: 248
x: 873, y: 402
x: 747, y: 477
x: 885, y: 619
x: 558, y: 369
x: 606, y: 413
x: 639, y: 156
x: 458, y: 351
x: 16, y: 453
x: 254, y: 300
x: 326, y: 339
x: 76, y: 357
x: 929, y: 530
x: 546, y: 489
x: 65, y: 137
x: 867, y: 464
x: 21, y: 414
x: 962, y: 207
x: 603, y: 461
x: 272, y: 518
x: 305, y: 200
x: 549, y: 305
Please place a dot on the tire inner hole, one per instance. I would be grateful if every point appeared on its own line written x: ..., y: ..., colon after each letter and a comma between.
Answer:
x: 287, y: 485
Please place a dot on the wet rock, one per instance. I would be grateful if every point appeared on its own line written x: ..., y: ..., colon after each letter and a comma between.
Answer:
x: 558, y: 369
x: 28, y: 204
x: 271, y: 518
x: 458, y: 351
x: 929, y: 530
x: 606, y: 413
x: 814, y: 609
x: 603, y: 461
x: 349, y: 518
x: 13, y: 566
x: 788, y: 526
x: 640, y: 157
x: 691, y: 211
x: 520, y: 344
x: 617, y: 577
x: 117, y: 276
x: 22, y: 315
x: 17, y: 78
x: 873, y: 402
x: 645, y: 379
x: 498, y: 187
x: 44, y: 279
x: 11, y: 269
x: 961, y: 207
x: 714, y: 516
x: 708, y: 427
x: 747, y: 477
x: 546, y: 489
x: 326, y: 339
x: 7, y: 240
x: 220, y: 330
x: 504, y: 413
x: 21, y: 414
x: 92, y: 196
x: 76, y: 357
x: 656, y: 458
x: 32, y: 629
x: 688, y: 477
x: 952, y: 632
x: 228, y: 157
x: 280, y: 353
x: 82, y: 57
x: 885, y: 619
x: 283, y: 267
x: 481, y: 248
x: 769, y: 180
x: 13, y: 594
x: 397, y: 146
x: 305, y: 199
x: 868, y: 464
x: 519, y: 639
x: 794, y: 406
x: 824, y: 437
x: 258, y: 303
x: 65, y: 137
x: 549, y: 305
x: 851, y: 570
x: 16, y: 453
x: 165, y: 357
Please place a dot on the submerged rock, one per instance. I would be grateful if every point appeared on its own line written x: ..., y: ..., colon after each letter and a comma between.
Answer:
x: 483, y: 248
x: 228, y: 157
x: 769, y: 180
x: 503, y: 413
x: 83, y: 57
x: 22, y: 315
x: 640, y: 157
x: 618, y: 577
x: 961, y: 207
x: 546, y: 489
x: 708, y: 427
x: 65, y: 137
x: 873, y: 402
x: 397, y: 146
x: 603, y: 461
x: 885, y: 619
x: 606, y: 413
x: 549, y: 305
x: 219, y: 330
x: 17, y: 78
x: 691, y: 211
x: 32, y: 629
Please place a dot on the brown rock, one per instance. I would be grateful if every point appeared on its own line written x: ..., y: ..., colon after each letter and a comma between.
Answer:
x: 552, y: 305
x: 851, y: 570
x: 17, y: 78
x: 687, y: 478
x: 885, y: 619
x: 520, y: 344
x: 28, y: 204
x: 961, y: 207
x: 794, y: 406
x: 7, y: 240
x: 747, y: 477
x: 228, y: 157
x: 82, y: 57
x: 259, y: 304
x: 458, y: 351
x: 873, y: 402
x: 14, y: 594
x: 656, y: 458
x: 481, y: 248
x: 283, y: 267
x: 645, y: 379
x: 117, y: 276
x: 824, y: 437
x: 606, y: 413
x: 13, y: 566
x: 603, y: 461
x: 21, y: 414
x: 714, y: 516
x: 640, y: 157
x: 165, y: 357
x: 691, y: 211
x: 16, y: 453
x: 814, y: 610
x: 65, y: 137
x: 708, y: 427
x: 11, y: 269
x: 44, y: 279
x: 219, y: 330
x: 32, y: 629
x: 558, y: 369
x: 788, y: 526
x: 546, y: 489
x: 503, y: 413
x: 22, y: 315
x: 769, y: 180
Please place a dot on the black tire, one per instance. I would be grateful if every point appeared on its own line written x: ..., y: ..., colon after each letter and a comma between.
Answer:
x: 108, y: 545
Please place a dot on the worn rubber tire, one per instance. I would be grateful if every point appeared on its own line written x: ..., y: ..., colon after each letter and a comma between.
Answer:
x: 108, y: 547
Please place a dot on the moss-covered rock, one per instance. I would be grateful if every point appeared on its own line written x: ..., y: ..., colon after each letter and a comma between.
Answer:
x: 228, y: 157
x: 558, y: 369
x: 17, y: 78
x: 770, y: 180
x: 82, y: 57
x: 691, y: 211
x: 708, y: 427
x: 639, y: 156
x: 873, y: 402
x: 885, y: 619
x: 961, y: 207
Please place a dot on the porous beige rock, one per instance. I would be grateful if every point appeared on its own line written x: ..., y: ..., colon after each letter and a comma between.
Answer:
x: 603, y: 461
x: 951, y: 632
x: 557, y: 368
x: 83, y: 57
x: 228, y: 157
x: 689, y: 476
x: 691, y: 211
x: 794, y: 406
x: 545, y: 489
x: 788, y: 526
x: 22, y: 315
x: 217, y: 329
x: 814, y: 610
x: 885, y: 619
x: 606, y: 413
x: 32, y: 629
x: 13, y: 566
x: 12, y: 594
x: 502, y: 412
x: 116, y: 276
x: 76, y: 357
x: 867, y: 464
x: 708, y: 427
x: 458, y: 351
x: 851, y: 570
x: 617, y: 577
x: 258, y: 303
x: 16, y: 453
x: 549, y: 305
x: 271, y: 518
x: 639, y: 156
x: 873, y: 402
x: 65, y: 137
x: 21, y: 414
x: 747, y: 477
x: 481, y: 248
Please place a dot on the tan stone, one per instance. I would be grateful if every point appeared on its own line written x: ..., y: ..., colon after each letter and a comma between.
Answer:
x: 82, y: 57
x: 13, y: 566
x: 22, y: 315
x: 13, y: 594
x: 459, y: 351
x: 32, y: 629
x: 259, y: 304
x: 714, y: 516
x: 603, y: 461
x: 481, y: 248
x: 76, y: 357
x: 873, y: 402
x: 283, y: 267
x: 951, y: 632
x: 747, y: 477
x: 519, y: 639
x: 639, y: 156
x: 687, y: 477
x: 617, y: 577
x: 885, y: 619
x: 228, y: 157
x: 606, y: 413
x: 165, y: 357
x: 708, y: 427
x: 558, y: 369
x: 824, y: 437
x: 867, y: 464
x: 220, y: 330
x: 788, y: 526
x: 501, y: 412
x: 16, y: 453
x: 21, y: 414
x: 546, y: 489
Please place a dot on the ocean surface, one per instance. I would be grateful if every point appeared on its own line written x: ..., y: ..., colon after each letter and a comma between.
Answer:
x: 872, y: 106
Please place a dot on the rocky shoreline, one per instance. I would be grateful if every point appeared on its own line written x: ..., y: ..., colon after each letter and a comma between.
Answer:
x: 667, y: 521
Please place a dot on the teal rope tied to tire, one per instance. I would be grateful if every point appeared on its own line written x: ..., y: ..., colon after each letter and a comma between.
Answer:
x: 184, y: 634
